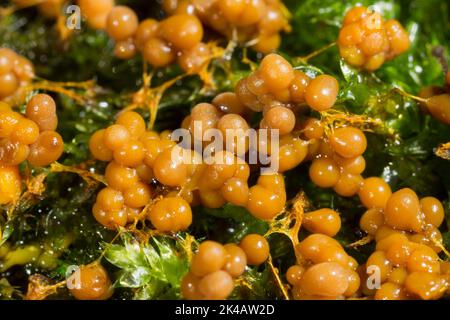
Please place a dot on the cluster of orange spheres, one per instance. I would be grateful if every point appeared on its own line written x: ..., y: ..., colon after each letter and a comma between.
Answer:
x: 227, y: 181
x: 401, y: 210
x: 366, y: 40
x: 326, y: 272
x: 90, y: 282
x: 136, y: 158
x: 405, y: 263
x: 15, y: 71
x: 407, y: 270
x: 30, y: 137
x: 408, y: 242
x: 256, y: 21
x: 337, y: 160
x: 279, y: 91
x: 226, y: 178
x: 437, y: 101
x: 215, y: 266
x: 276, y: 84
x: 160, y: 42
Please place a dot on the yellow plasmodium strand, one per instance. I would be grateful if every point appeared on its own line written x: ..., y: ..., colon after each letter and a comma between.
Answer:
x: 65, y: 88
x: 90, y: 177
x: 361, y: 242
x: 304, y: 60
x: 290, y: 222
x: 276, y: 274
x: 39, y: 287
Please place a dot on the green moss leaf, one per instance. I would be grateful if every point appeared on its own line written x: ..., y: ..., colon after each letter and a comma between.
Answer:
x: 154, y: 269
